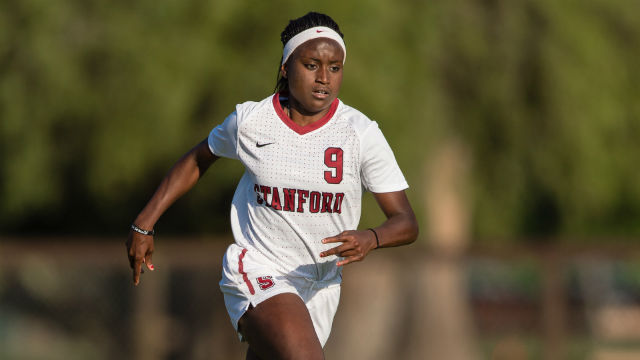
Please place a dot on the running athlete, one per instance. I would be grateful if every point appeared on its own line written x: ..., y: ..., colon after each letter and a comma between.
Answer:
x: 307, y: 157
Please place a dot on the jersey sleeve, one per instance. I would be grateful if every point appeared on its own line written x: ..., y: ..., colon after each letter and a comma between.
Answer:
x: 223, y: 139
x: 379, y: 170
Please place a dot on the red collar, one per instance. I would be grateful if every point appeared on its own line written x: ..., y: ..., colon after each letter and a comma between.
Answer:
x: 299, y: 128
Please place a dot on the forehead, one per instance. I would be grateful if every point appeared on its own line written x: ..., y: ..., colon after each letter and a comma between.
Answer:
x: 320, y: 47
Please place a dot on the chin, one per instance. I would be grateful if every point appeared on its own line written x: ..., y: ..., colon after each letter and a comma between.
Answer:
x: 321, y: 104
x: 312, y: 105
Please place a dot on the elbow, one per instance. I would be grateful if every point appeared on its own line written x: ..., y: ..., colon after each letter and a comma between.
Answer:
x: 412, y: 230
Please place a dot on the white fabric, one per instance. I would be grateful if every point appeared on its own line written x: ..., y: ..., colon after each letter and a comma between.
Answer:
x: 309, y: 34
x: 321, y: 298
x: 284, y: 204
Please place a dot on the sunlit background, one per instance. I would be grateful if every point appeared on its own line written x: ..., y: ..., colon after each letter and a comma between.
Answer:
x: 516, y: 123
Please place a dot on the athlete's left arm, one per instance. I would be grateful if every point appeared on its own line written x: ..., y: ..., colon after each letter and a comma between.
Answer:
x: 400, y: 228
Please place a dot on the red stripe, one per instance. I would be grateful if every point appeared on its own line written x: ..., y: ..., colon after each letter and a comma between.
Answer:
x: 244, y: 274
x: 299, y: 128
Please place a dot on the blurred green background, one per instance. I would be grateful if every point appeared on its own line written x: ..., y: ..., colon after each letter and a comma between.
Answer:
x: 99, y: 98
x: 529, y: 226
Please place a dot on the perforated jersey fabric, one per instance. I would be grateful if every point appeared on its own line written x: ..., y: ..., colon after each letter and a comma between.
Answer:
x: 302, y: 183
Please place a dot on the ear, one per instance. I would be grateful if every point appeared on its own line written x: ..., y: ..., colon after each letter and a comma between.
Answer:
x: 283, y: 71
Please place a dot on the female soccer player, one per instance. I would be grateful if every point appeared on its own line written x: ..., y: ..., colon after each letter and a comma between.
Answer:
x: 294, y: 214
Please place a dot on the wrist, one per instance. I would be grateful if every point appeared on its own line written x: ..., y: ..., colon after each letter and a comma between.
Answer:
x: 145, y: 221
x: 142, y: 231
x: 377, y: 238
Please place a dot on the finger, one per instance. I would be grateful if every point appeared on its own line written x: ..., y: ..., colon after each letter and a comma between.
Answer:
x: 131, y: 256
x: 350, y: 253
x: 336, y: 250
x: 334, y: 239
x: 349, y: 260
x: 137, y: 268
x: 147, y: 260
x: 132, y: 259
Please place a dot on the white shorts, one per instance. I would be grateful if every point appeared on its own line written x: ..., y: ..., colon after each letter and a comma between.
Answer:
x: 249, y: 279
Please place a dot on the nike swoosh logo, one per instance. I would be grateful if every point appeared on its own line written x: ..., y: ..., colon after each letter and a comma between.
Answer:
x: 261, y: 145
x: 319, y: 31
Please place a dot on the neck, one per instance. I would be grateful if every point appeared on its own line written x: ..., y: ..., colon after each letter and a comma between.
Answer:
x: 300, y: 116
x: 303, y: 119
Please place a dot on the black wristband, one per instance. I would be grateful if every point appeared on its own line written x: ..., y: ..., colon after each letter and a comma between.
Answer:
x: 377, y: 240
x: 141, y: 231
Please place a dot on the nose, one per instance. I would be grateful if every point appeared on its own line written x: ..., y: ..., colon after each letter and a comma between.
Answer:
x: 322, y: 75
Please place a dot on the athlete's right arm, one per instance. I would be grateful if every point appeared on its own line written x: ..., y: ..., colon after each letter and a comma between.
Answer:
x: 180, y: 179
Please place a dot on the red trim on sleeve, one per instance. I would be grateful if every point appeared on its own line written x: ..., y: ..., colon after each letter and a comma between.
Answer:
x: 244, y: 274
x: 299, y: 128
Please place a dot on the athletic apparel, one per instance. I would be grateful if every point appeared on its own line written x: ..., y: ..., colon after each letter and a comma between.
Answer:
x: 310, y: 34
x: 248, y: 279
x: 302, y: 183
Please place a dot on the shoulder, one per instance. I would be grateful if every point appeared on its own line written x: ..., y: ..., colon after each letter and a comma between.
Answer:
x: 248, y: 107
x: 356, y: 119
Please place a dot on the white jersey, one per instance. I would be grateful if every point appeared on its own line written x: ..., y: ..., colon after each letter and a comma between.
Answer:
x: 302, y: 183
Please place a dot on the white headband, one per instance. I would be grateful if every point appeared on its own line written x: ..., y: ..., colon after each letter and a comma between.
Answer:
x: 310, y: 34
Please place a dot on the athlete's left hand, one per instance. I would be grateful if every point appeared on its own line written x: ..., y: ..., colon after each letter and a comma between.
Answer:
x: 355, y: 246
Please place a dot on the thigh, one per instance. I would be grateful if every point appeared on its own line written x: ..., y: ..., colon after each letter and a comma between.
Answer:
x: 281, y: 328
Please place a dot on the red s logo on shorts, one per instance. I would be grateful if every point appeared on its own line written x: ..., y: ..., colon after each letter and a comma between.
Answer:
x: 265, y: 282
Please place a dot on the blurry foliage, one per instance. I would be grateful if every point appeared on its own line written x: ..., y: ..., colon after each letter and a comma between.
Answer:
x: 98, y: 98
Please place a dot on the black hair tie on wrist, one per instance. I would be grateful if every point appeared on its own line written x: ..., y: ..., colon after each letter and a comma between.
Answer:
x: 377, y: 240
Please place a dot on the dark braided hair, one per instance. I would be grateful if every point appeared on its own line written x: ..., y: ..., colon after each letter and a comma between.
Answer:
x: 296, y: 26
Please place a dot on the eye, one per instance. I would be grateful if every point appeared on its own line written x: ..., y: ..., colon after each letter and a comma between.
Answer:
x: 335, y: 68
x: 311, y: 66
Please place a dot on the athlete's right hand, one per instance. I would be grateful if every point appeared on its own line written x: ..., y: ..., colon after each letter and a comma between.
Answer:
x: 139, y: 250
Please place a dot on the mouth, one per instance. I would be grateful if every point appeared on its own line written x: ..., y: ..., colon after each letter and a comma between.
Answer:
x: 320, y: 93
